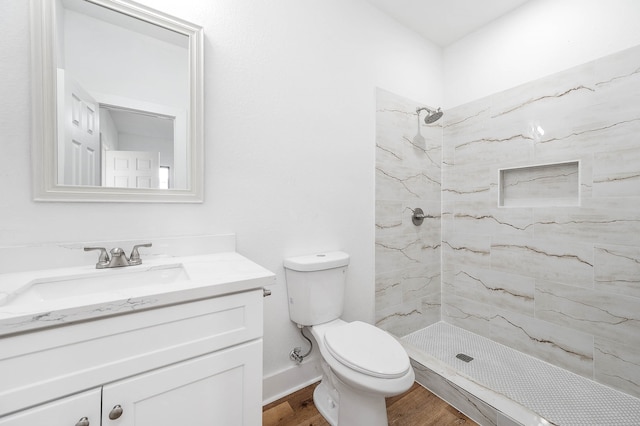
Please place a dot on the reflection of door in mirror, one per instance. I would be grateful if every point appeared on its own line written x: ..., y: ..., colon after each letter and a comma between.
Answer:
x: 132, y: 169
x: 139, y: 72
x: 127, y: 130
x: 79, y: 134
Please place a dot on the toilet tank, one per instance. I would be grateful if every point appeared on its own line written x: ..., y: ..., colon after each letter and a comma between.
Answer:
x: 315, y: 284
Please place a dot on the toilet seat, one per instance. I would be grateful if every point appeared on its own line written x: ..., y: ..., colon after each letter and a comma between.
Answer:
x: 367, y: 349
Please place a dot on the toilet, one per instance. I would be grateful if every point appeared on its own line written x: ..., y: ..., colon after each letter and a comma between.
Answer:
x: 362, y: 364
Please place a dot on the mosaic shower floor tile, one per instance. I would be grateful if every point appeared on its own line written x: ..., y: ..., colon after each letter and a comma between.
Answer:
x: 561, y: 397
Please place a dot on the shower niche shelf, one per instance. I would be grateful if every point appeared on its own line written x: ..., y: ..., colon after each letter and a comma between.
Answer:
x: 554, y: 184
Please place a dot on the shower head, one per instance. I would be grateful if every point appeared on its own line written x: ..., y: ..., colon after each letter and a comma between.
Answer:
x: 432, y: 116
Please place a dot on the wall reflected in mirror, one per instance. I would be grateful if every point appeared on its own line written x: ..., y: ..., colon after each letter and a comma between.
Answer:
x: 122, y: 100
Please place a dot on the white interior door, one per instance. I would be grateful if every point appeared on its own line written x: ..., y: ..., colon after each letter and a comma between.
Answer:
x: 79, y: 135
x: 132, y: 169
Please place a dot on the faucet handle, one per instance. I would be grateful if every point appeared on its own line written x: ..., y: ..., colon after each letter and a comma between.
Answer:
x: 116, y: 251
x: 134, y: 259
x: 103, y: 259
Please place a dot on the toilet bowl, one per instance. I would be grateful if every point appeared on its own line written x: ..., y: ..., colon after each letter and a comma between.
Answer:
x: 361, y: 364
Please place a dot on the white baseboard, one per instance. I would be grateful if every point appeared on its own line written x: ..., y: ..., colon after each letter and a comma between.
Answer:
x: 289, y: 380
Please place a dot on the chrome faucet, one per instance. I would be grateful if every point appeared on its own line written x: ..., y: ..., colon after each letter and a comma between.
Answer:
x: 118, y: 257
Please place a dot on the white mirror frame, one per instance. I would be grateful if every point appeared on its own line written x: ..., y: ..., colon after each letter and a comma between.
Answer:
x: 44, y: 123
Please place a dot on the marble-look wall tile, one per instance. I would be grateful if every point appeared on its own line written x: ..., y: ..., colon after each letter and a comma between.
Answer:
x: 589, y: 224
x: 602, y: 314
x: 557, y: 92
x: 467, y: 183
x: 553, y: 260
x: 488, y: 149
x: 613, y: 135
x: 463, y: 121
x: 615, y: 178
x: 511, y: 292
x: 408, y: 317
x: 617, y: 365
x: 617, y: 269
x: 389, y: 217
x: 408, y: 176
x: 403, y: 183
x: 388, y: 290
x: 447, y: 220
x: 407, y: 285
x: 618, y: 68
x: 398, y: 252
x: 470, y: 250
x: 422, y: 282
x: 483, y: 217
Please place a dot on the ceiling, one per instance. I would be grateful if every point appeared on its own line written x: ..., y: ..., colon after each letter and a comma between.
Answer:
x: 445, y: 21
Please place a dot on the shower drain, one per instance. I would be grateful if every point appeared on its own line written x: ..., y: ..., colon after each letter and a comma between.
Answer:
x: 464, y: 357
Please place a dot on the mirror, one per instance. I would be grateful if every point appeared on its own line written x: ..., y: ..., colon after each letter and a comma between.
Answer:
x: 117, y: 103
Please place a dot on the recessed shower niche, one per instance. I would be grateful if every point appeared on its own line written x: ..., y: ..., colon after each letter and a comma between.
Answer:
x: 555, y: 184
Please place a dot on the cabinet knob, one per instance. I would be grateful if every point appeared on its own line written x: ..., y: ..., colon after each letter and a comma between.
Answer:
x: 83, y: 422
x: 115, y: 412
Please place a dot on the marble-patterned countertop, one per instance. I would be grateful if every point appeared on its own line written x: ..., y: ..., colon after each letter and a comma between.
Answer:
x: 209, y: 275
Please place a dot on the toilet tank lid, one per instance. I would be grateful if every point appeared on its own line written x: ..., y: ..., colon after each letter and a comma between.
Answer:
x: 317, y: 262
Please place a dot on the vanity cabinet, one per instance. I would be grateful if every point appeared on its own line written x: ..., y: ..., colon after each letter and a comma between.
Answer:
x: 192, y: 363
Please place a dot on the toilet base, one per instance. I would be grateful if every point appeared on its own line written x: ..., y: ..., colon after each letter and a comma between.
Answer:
x: 360, y: 408
x: 325, y: 404
x: 357, y: 409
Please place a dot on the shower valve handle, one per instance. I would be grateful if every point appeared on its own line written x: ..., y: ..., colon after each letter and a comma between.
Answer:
x: 418, y: 216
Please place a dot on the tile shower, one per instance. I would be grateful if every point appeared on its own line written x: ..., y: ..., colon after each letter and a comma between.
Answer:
x: 536, y: 213
x: 408, y: 176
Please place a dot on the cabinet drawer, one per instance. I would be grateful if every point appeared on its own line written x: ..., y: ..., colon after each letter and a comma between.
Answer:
x: 40, y: 366
x: 63, y: 412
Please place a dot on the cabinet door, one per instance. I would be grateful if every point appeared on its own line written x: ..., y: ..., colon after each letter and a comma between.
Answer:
x: 222, y: 388
x: 69, y: 411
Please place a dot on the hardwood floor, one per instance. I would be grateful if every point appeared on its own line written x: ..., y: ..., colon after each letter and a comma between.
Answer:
x: 416, y: 407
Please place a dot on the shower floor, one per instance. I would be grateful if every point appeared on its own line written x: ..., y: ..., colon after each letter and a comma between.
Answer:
x: 555, y: 394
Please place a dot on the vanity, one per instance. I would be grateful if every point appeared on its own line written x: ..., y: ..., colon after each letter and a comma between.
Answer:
x: 174, y: 341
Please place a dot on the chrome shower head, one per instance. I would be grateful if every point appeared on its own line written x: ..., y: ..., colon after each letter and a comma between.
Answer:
x: 432, y: 116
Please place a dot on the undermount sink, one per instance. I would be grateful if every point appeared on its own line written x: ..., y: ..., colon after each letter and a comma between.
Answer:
x: 107, y: 280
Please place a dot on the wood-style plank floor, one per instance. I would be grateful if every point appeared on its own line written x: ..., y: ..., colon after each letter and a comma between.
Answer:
x: 416, y: 407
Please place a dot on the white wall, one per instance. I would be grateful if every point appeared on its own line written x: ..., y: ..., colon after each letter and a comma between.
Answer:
x: 106, y: 58
x: 289, y: 137
x: 108, y: 131
x: 538, y: 39
x: 131, y: 142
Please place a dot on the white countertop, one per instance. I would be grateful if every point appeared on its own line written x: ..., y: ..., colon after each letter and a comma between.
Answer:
x: 209, y: 276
